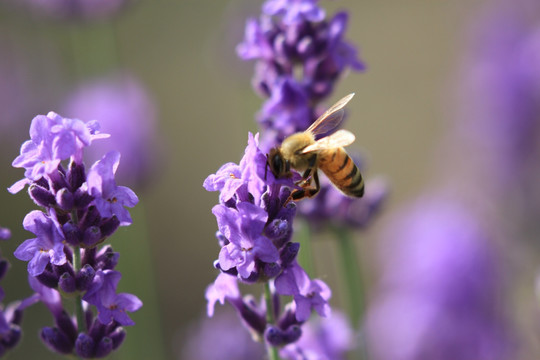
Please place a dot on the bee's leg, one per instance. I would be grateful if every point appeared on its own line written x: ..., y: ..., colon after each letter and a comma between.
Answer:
x: 306, y: 178
x: 307, y: 190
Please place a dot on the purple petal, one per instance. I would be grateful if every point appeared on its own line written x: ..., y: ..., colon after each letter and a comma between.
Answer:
x: 225, y: 286
x: 37, y: 264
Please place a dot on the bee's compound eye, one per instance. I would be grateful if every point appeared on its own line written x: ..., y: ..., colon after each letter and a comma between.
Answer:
x: 277, y: 164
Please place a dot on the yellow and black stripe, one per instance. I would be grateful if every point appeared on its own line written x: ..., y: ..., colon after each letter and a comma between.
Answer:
x: 338, y: 166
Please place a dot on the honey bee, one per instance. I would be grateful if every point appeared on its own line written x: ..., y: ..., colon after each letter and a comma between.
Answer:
x: 301, y: 151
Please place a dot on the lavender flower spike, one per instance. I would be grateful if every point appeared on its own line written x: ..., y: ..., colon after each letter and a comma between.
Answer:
x: 64, y: 260
x: 109, y: 198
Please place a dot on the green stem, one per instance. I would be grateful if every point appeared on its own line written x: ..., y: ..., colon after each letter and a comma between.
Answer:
x: 79, y: 312
x: 354, y: 286
x: 270, y: 319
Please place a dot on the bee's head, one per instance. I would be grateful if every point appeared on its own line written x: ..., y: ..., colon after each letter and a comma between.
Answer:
x: 278, y: 165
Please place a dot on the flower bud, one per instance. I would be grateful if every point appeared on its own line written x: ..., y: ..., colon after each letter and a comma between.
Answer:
x: 76, y: 175
x: 104, y: 347
x: 109, y: 226
x: 84, y: 277
x: 288, y: 253
x: 41, y: 196
x: 85, y: 346
x: 56, y: 340
x: 92, y: 236
x: 274, y: 336
x: 72, y: 233
x: 117, y: 337
x: 271, y: 270
x: 4, y: 266
x: 66, y: 325
x: 64, y: 199
x: 67, y: 283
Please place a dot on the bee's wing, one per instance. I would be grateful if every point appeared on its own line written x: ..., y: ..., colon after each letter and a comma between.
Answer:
x: 338, y: 139
x: 331, y: 117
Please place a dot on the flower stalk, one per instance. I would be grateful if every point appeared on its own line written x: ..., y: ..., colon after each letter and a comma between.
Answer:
x: 270, y: 319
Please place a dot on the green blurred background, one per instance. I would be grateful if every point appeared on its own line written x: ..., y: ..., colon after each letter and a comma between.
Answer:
x: 183, y: 51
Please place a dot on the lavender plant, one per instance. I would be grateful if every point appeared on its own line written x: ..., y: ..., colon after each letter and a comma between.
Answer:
x: 66, y: 258
x: 78, y: 9
x: 255, y: 228
x: 299, y: 57
x: 442, y: 290
x: 10, y: 316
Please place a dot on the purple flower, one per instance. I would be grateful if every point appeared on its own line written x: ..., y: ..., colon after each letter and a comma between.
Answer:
x: 5, y: 233
x: 124, y: 110
x: 294, y: 11
x: 327, y: 339
x: 291, y: 38
x: 440, y: 293
x: 111, y: 306
x: 81, y: 212
x: 224, y: 287
x: 250, y: 177
x: 109, y: 198
x: 331, y: 208
x: 256, y: 44
x: 244, y: 230
x: 78, y: 9
x: 227, y: 180
x: 46, y: 248
x: 229, y: 339
x: 50, y: 297
x: 53, y: 139
x: 288, y: 110
x: 308, y: 294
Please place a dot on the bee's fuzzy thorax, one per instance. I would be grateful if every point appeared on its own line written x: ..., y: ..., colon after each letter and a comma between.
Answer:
x: 291, y: 149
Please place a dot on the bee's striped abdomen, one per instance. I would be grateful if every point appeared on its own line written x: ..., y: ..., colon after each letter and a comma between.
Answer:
x: 338, y: 166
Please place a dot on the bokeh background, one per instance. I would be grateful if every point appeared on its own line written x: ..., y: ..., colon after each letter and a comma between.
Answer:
x: 177, y: 62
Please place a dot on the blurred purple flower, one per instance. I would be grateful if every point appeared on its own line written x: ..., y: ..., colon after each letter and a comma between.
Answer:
x: 441, y: 289
x: 294, y: 11
x: 228, y: 338
x: 499, y: 112
x: 74, y: 9
x: 5, y: 233
x: 326, y: 339
x: 124, y: 109
x: 331, y: 208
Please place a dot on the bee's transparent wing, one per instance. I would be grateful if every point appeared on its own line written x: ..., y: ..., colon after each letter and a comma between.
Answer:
x: 338, y: 139
x: 331, y: 117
